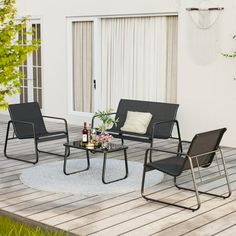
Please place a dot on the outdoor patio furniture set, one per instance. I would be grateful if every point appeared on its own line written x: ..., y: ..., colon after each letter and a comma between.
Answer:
x: 141, y: 121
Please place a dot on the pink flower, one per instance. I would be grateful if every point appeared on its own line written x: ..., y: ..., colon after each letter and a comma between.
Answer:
x: 104, y: 137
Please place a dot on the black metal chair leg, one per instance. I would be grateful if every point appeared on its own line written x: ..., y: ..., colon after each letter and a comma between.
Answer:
x: 143, y: 181
x: 122, y: 140
x: 162, y: 202
x: 150, y: 153
x: 202, y: 192
x: 14, y: 158
x: 180, y: 147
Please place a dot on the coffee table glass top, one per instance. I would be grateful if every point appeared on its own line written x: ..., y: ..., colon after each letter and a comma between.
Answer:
x: 112, y: 147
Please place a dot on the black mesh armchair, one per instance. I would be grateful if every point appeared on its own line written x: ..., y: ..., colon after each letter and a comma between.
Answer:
x: 200, y: 155
x: 28, y: 123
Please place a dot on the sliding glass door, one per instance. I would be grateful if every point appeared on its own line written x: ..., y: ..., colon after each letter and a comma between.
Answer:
x: 139, y: 59
x: 123, y: 57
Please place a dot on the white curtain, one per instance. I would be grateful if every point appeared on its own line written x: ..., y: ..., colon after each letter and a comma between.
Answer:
x: 83, y: 66
x: 134, y: 59
x: 171, y: 59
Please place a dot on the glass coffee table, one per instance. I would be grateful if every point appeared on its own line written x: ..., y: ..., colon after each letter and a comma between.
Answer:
x: 112, y: 148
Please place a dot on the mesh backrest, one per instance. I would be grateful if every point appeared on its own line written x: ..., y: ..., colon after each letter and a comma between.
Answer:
x: 160, y: 112
x: 204, y: 143
x: 29, y: 112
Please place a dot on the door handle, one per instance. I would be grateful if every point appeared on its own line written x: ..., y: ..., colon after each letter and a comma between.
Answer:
x: 94, y: 84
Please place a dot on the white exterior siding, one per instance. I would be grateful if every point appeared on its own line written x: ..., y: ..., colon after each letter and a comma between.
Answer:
x: 206, y: 93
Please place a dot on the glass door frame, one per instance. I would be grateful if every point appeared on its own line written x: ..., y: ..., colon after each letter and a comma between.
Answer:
x: 96, y: 63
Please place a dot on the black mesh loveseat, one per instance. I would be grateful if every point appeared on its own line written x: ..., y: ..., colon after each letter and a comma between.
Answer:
x: 160, y: 126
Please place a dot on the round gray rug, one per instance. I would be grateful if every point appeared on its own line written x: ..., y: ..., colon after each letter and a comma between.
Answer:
x: 50, y: 177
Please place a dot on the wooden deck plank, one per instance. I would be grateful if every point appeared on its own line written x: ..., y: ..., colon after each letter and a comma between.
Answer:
x: 140, y: 224
x: 227, y: 218
x: 230, y: 231
x: 44, y: 209
x: 116, y: 214
x: 133, y: 213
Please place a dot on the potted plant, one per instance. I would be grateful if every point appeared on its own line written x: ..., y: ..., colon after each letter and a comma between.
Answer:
x: 107, y: 120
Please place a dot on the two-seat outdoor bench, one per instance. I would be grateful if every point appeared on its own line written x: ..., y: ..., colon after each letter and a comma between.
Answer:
x: 161, y: 124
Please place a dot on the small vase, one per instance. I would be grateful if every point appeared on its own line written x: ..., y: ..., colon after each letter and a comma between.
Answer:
x: 105, y: 145
x: 105, y: 139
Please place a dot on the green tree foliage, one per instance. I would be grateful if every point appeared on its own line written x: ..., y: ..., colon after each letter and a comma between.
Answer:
x: 12, y: 52
x: 232, y: 54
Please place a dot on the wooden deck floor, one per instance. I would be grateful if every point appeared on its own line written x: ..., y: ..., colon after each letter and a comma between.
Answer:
x: 124, y: 214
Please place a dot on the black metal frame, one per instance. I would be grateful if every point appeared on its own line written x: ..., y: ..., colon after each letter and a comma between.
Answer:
x: 145, y: 139
x: 37, y: 139
x: 104, y: 168
x: 105, y: 152
x: 195, y: 190
x: 179, y: 148
x: 78, y: 171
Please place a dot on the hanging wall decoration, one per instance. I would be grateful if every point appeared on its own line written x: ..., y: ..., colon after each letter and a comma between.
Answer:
x: 204, y: 35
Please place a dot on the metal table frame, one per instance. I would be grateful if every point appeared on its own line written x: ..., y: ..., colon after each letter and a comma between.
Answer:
x: 114, y: 148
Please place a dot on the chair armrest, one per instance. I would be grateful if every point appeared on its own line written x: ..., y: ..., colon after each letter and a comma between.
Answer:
x: 165, y: 151
x: 94, y: 117
x: 24, y: 122
x: 58, y: 118
x: 163, y: 122
x: 185, y: 141
x: 168, y: 121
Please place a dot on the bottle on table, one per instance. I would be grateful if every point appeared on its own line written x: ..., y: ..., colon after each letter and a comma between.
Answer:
x: 85, y: 134
x: 93, y: 134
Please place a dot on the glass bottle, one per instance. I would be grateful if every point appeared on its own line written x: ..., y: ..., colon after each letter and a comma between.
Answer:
x: 85, y: 134
x: 94, y: 134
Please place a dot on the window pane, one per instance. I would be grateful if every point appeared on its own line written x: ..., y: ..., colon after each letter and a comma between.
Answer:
x: 39, y: 56
x: 25, y: 94
x: 40, y: 97
x: 21, y: 95
x: 34, y: 32
x: 24, y: 36
x: 35, y: 95
x: 34, y: 77
x: 25, y: 72
x: 39, y: 78
x: 38, y: 31
x: 34, y: 58
x: 134, y: 49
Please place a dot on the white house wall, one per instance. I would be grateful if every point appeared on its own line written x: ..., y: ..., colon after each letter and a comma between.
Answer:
x: 206, y: 93
x: 54, y: 15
